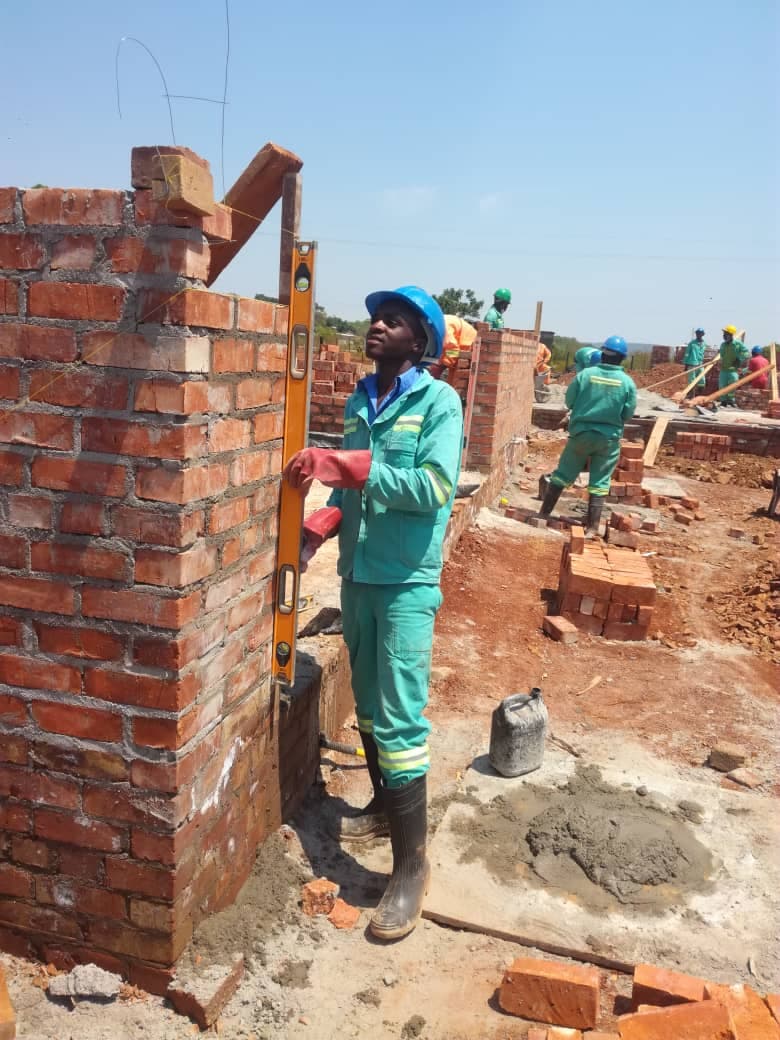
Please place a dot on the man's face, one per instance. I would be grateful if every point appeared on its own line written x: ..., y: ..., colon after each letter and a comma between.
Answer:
x: 699, y: 336
x: 395, y: 333
x: 727, y: 336
x: 500, y: 305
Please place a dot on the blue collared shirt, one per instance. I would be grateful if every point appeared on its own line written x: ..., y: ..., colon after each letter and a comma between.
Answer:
x: 403, y: 383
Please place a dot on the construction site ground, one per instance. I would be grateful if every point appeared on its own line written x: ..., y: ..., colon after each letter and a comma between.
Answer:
x: 708, y: 673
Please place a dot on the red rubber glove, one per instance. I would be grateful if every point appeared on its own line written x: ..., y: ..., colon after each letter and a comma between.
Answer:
x: 336, y: 469
x: 321, y: 525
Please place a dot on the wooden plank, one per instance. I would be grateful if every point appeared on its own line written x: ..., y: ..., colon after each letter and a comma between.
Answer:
x: 292, y: 188
x: 655, y: 438
x: 733, y: 386
x: 773, y: 373
x: 538, y: 321
x: 184, y: 186
x: 251, y: 199
x: 680, y: 395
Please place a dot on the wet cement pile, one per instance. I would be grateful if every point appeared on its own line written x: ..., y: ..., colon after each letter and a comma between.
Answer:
x: 601, y: 844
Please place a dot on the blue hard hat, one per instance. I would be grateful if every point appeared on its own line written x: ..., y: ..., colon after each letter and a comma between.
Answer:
x: 428, y: 310
x: 616, y: 344
x: 757, y: 350
x: 699, y: 331
x: 595, y: 358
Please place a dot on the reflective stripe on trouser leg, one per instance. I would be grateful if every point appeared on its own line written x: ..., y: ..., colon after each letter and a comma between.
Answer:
x: 359, y: 624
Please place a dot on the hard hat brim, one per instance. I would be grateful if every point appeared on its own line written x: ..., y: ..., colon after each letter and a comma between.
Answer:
x: 376, y: 299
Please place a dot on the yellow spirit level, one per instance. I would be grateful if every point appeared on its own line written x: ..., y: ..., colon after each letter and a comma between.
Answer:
x: 296, y: 427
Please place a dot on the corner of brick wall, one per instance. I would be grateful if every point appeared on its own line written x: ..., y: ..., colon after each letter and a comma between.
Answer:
x: 141, y: 757
x: 335, y: 374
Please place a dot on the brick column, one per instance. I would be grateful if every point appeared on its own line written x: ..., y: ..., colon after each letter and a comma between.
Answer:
x: 139, y: 744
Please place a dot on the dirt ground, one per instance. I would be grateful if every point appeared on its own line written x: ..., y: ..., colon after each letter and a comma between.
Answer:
x: 695, y: 682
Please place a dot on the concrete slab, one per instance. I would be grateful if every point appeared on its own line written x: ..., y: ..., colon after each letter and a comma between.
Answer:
x: 726, y: 930
x: 663, y: 486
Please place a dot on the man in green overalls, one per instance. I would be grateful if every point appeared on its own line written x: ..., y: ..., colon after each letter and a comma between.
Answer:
x: 734, y: 355
x: 601, y: 398
x: 394, y: 482
x: 495, y: 315
x: 694, y: 356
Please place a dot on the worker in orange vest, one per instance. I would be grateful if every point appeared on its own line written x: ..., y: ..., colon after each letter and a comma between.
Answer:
x: 542, y: 371
x: 458, y: 335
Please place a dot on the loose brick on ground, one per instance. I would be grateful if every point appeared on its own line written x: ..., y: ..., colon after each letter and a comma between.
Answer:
x: 343, y: 915
x: 560, y: 629
x: 726, y: 756
x: 703, y: 1020
x: 659, y: 986
x: 750, y: 1017
x: 319, y: 897
x: 202, y: 995
x: 549, y: 991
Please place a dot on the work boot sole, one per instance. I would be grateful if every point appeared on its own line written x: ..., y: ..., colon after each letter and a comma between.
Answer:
x: 398, y: 932
x: 366, y: 828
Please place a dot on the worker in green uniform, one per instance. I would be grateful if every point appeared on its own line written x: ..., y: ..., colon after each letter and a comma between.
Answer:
x: 585, y: 357
x: 734, y: 355
x: 601, y: 398
x: 693, y: 357
x: 495, y: 315
x: 394, y: 482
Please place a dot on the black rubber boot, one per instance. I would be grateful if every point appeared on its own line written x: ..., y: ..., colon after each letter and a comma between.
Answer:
x: 551, y: 496
x: 593, y: 520
x: 544, y: 483
x: 372, y: 821
x: 400, y: 907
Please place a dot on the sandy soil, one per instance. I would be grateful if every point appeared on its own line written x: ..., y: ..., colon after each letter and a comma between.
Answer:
x: 676, y: 694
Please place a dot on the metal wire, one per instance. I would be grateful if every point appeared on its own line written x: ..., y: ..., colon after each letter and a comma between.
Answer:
x: 134, y: 39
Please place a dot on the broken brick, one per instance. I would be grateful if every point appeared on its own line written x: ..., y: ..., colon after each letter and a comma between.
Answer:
x: 684, y: 518
x: 736, y: 532
x: 7, y: 1013
x: 703, y: 1020
x: 560, y: 629
x: 745, y: 778
x: 726, y: 756
x: 661, y: 987
x: 751, y: 1019
x: 690, y: 503
x: 549, y: 991
x: 318, y: 897
x: 344, y: 916
x: 203, y: 996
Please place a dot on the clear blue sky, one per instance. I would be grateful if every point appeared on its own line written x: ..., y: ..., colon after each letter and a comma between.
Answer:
x: 617, y: 159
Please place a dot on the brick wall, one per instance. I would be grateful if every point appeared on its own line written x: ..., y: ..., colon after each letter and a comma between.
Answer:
x: 141, y: 756
x: 504, y: 395
x: 334, y: 377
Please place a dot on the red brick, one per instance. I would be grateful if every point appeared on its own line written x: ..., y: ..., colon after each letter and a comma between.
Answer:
x: 10, y: 628
x: 182, y: 485
x: 9, y: 383
x: 39, y: 787
x: 174, y: 352
x: 30, y: 511
x: 38, y: 919
x: 118, y: 802
x: 231, y: 550
x: 44, y: 431
x: 318, y: 897
x: 704, y: 1020
x: 659, y: 986
x: 176, y: 653
x: 82, y: 518
x: 171, y: 734
x: 229, y: 435
x: 773, y: 1003
x: 76, y: 301
x: 15, y: 882
x: 145, y: 166
x: 206, y: 1006
x: 84, y: 390
x: 72, y: 206
x: 13, y: 712
x: 9, y: 296
x: 159, y: 395
x: 81, y: 864
x: 78, y: 722
x: 549, y: 991
x: 39, y: 594
x: 89, y: 834
x: 272, y: 357
x: 117, y: 437
x: 219, y: 226
x: 15, y: 818
x: 257, y: 392
x: 39, y: 675
x: 79, y: 475
x: 194, y: 307
x: 81, y: 762
x: 253, y: 315
x: 178, y: 256
x: 21, y: 252
x: 560, y: 629
x: 11, y: 468
x: 13, y: 550
x: 145, y: 608
x: 73, y: 252
x: 751, y: 1019
x: 233, y: 355
x: 80, y: 560
x: 228, y: 514
x: 14, y: 750
x: 32, y: 853
x: 7, y: 203
x: 268, y: 426
x: 144, y: 525
x: 144, y: 691
x: 154, y: 567
x: 96, y: 902
x: 129, y: 876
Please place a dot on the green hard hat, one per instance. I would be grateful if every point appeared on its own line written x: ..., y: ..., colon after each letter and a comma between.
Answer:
x: 503, y: 294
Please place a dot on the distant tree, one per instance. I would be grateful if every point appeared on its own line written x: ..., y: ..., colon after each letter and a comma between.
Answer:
x: 563, y: 350
x: 461, y: 302
x: 266, y: 299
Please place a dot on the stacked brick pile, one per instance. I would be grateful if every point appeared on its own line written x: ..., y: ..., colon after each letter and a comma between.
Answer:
x: 773, y: 410
x: 142, y: 759
x: 626, y: 486
x: 334, y: 377
x: 605, y: 590
x: 706, y: 447
x: 665, y: 1005
x: 753, y: 400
